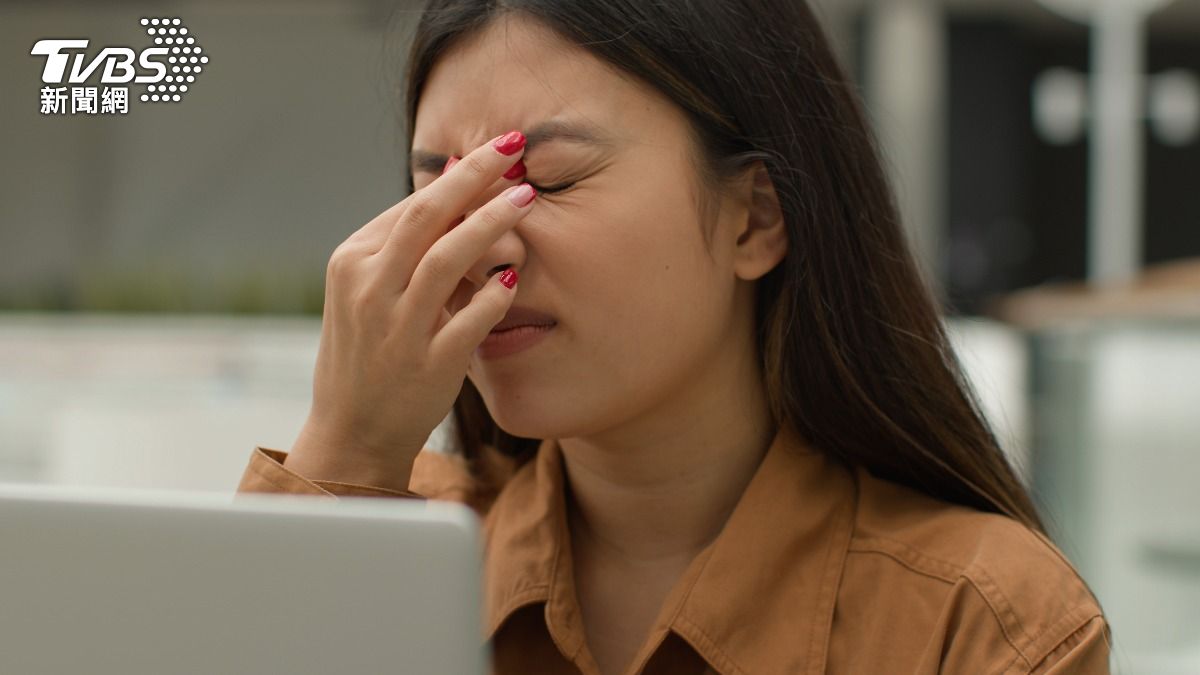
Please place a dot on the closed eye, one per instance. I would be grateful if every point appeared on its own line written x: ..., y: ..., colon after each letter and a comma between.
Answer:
x: 552, y: 189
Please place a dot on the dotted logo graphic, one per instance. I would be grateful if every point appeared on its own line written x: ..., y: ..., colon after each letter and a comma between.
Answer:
x: 71, y: 71
x: 186, y: 59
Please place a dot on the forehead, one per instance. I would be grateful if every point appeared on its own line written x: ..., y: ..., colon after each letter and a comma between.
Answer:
x: 516, y: 73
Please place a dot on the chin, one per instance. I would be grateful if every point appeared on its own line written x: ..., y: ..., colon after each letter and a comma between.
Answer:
x: 529, y: 416
x: 523, y: 422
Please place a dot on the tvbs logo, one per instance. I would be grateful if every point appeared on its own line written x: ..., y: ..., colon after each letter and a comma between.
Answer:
x: 167, y: 69
x: 117, y: 61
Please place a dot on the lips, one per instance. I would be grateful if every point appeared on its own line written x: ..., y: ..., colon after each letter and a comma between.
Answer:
x: 523, y: 316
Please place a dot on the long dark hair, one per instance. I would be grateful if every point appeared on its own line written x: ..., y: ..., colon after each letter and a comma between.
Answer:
x: 850, y: 337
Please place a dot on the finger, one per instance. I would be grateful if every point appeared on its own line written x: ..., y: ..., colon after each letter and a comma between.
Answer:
x: 431, y: 209
x: 449, y: 163
x: 370, y: 237
x: 515, y: 173
x: 442, y: 268
x: 471, y: 325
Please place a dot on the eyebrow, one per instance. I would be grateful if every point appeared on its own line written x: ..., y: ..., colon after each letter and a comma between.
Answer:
x: 543, y: 132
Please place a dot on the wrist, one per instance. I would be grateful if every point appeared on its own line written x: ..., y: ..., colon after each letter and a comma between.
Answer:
x: 331, y: 457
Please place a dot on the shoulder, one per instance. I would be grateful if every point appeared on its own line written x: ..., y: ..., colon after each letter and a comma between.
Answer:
x: 958, y: 571
x: 447, y: 476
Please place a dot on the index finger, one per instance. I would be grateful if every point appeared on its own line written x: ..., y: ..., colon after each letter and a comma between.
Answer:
x: 429, y: 211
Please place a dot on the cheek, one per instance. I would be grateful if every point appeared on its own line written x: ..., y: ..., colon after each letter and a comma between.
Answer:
x: 630, y: 243
x: 634, y: 271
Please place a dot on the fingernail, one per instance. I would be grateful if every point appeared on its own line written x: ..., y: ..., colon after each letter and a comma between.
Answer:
x: 516, y: 171
x: 509, y: 277
x: 449, y: 163
x: 509, y: 143
x: 521, y: 195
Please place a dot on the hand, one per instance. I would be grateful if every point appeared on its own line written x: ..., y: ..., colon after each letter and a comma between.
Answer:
x: 392, y: 359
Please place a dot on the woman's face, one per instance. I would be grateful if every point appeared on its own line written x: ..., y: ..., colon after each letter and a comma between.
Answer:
x: 618, y: 258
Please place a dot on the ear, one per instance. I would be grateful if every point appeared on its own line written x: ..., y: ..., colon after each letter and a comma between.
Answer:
x: 762, y: 239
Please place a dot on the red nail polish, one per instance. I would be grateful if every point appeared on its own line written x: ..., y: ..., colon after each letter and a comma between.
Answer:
x: 509, y: 143
x: 522, y: 195
x: 449, y: 163
x: 509, y: 277
x: 516, y: 171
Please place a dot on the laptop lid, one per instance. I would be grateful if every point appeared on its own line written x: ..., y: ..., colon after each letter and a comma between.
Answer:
x: 101, y: 580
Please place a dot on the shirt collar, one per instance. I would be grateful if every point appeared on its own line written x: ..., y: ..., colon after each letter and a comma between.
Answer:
x: 759, y: 598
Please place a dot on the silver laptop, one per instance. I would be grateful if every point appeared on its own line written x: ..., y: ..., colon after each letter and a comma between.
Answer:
x: 106, y: 581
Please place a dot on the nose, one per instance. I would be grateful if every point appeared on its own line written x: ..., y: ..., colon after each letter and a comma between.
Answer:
x: 507, y: 250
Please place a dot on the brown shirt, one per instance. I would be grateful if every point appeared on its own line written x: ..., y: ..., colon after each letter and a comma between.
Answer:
x: 818, y: 569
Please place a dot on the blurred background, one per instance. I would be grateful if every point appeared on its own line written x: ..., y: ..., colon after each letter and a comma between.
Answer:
x: 161, y: 271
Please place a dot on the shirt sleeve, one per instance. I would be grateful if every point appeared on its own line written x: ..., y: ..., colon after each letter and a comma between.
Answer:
x: 1084, y: 652
x: 435, y: 475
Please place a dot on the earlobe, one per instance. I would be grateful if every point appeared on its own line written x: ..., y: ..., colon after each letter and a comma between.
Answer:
x: 763, y: 242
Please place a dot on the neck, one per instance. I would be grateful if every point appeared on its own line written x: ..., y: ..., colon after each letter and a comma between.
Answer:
x: 655, y: 493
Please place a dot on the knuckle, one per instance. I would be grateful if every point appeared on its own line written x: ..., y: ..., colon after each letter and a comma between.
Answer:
x: 420, y: 211
x: 490, y: 219
x: 476, y: 165
x: 341, y: 261
x: 436, y: 263
x: 346, y: 249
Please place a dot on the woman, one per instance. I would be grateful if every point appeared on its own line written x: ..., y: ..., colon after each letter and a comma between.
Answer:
x: 731, y: 436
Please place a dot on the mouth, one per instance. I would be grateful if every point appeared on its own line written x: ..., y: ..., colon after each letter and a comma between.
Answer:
x: 533, y: 326
x: 519, y: 316
x: 508, y: 341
